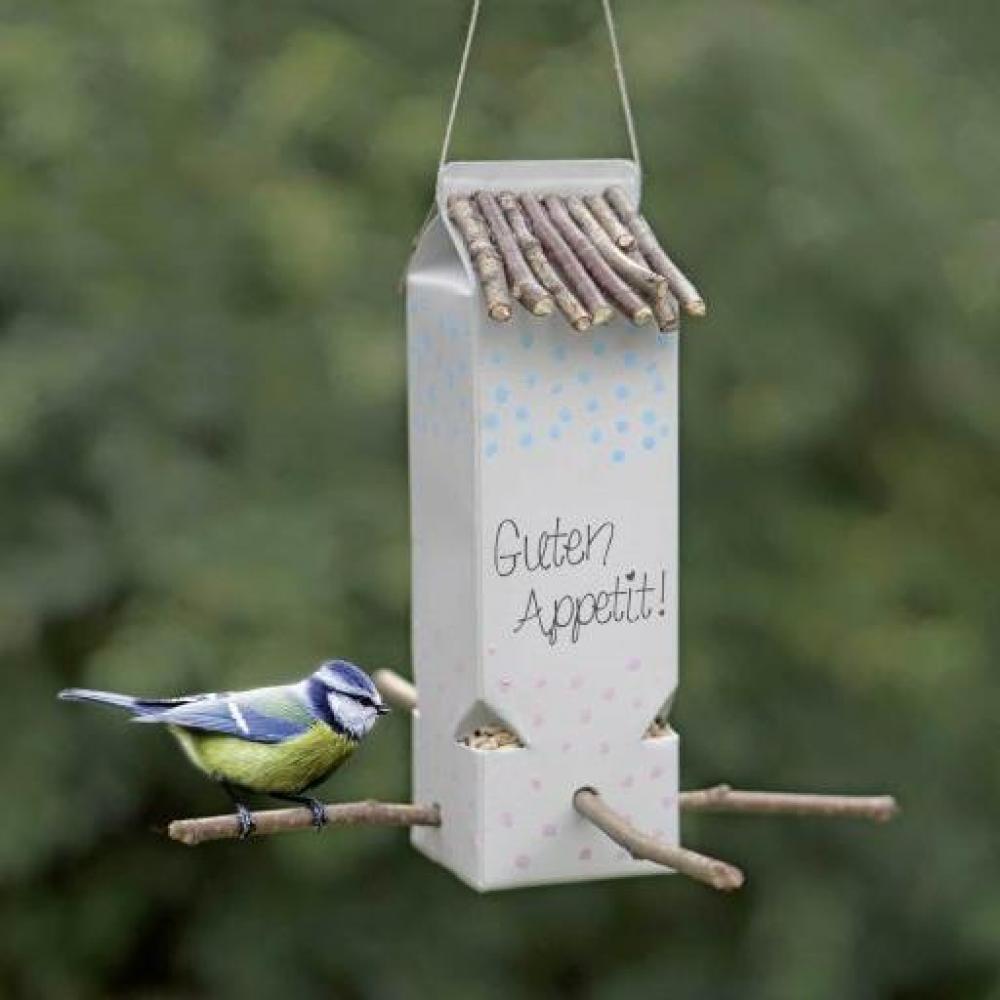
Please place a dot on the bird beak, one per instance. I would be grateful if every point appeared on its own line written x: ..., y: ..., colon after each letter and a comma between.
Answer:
x: 383, y: 709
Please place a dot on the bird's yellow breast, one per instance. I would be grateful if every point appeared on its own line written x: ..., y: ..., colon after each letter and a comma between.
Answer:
x: 288, y: 767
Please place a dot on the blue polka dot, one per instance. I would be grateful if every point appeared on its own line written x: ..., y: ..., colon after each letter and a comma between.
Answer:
x: 496, y: 358
x: 555, y: 432
x: 663, y: 339
x: 491, y: 449
x: 651, y: 367
x: 491, y: 421
x: 557, y: 388
x: 531, y: 380
x: 621, y: 426
x: 630, y: 358
x: 618, y: 455
x: 599, y: 347
x: 597, y: 435
x: 622, y: 391
x: 649, y: 418
x: 527, y: 339
x: 648, y: 443
x: 664, y: 431
x: 502, y: 394
x: 593, y: 405
x: 565, y: 414
x: 583, y: 377
x: 559, y: 352
x: 527, y: 440
x: 659, y: 385
x: 521, y: 413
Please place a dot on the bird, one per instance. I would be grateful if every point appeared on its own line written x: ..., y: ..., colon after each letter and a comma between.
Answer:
x: 277, y: 741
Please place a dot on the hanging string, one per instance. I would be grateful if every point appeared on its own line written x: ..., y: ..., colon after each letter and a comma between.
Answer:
x: 616, y: 59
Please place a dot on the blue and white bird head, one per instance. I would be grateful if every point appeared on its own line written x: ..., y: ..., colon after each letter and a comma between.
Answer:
x: 346, y: 698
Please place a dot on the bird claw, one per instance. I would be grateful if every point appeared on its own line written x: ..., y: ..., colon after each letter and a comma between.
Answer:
x: 318, y: 811
x: 246, y: 821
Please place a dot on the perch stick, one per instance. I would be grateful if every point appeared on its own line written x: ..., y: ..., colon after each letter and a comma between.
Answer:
x: 575, y: 273
x: 523, y: 284
x: 613, y: 226
x: 637, y: 274
x: 485, y: 259
x: 655, y: 255
x: 666, y: 310
x: 630, y: 302
x: 396, y: 690
x: 718, y: 874
x: 196, y: 831
x: 723, y: 799
x: 569, y: 305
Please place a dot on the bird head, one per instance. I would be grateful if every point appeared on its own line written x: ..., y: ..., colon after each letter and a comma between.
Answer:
x: 349, y: 695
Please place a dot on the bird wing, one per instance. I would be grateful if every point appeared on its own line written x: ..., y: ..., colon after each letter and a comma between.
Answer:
x: 264, y: 715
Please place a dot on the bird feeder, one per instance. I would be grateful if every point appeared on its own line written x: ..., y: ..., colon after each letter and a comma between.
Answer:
x: 543, y: 335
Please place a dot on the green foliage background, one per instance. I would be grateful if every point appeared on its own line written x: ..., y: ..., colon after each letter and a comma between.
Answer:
x: 205, y: 207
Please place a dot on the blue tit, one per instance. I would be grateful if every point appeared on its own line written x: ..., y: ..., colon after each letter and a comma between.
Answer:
x: 278, y: 741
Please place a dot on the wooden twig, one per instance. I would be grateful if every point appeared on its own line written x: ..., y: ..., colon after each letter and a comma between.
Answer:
x: 196, y: 831
x: 613, y: 226
x: 632, y: 270
x: 397, y: 690
x: 569, y: 305
x: 485, y: 259
x: 723, y: 799
x: 627, y: 298
x: 666, y: 310
x: 718, y: 874
x: 647, y: 242
x: 523, y: 284
x: 563, y: 257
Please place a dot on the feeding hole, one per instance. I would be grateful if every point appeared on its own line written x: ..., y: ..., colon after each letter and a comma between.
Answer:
x: 659, y: 727
x: 482, y: 728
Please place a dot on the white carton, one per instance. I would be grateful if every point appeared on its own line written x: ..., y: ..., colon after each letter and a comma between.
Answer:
x: 543, y: 468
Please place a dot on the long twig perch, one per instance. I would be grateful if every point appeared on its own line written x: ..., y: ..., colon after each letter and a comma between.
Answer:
x: 562, y: 256
x: 718, y: 874
x: 485, y: 258
x: 723, y: 799
x: 613, y: 226
x: 370, y: 813
x: 569, y: 305
x: 655, y: 255
x: 397, y: 690
x: 631, y: 303
x: 524, y: 285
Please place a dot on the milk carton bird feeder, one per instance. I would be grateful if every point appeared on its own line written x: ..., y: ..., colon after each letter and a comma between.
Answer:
x: 543, y: 330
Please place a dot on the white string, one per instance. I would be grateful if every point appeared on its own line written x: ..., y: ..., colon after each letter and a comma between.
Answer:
x: 616, y: 58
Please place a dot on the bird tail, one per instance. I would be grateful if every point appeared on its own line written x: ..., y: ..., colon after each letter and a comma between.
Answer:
x: 101, y: 698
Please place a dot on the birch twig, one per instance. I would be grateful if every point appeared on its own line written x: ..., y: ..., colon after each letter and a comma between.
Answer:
x: 633, y: 270
x: 569, y: 305
x: 485, y: 259
x: 647, y: 242
x: 196, y: 831
x: 666, y: 310
x: 718, y: 874
x: 723, y: 799
x: 523, y: 284
x: 630, y: 301
x: 563, y: 257
x: 613, y: 226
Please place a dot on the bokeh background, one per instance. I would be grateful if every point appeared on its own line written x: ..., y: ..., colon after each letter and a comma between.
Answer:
x: 205, y: 207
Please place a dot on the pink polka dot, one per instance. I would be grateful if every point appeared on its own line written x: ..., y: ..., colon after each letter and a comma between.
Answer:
x: 656, y: 773
x: 549, y: 830
x: 585, y: 716
x: 538, y: 721
x: 540, y: 683
x: 609, y: 694
x: 628, y: 781
x: 637, y: 703
x: 522, y: 861
x: 586, y: 854
x: 536, y: 784
x: 506, y: 820
x: 491, y: 650
x: 634, y: 664
x: 505, y: 683
x: 566, y: 747
x: 605, y: 748
x: 576, y: 683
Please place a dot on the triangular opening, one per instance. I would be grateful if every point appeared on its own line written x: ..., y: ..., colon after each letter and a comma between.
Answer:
x: 659, y: 726
x: 482, y: 728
